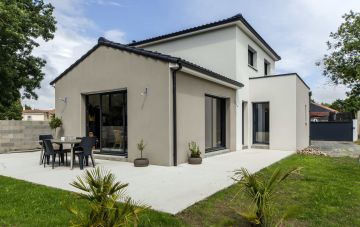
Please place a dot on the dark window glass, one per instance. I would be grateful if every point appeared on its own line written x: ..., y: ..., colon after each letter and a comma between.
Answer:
x: 214, y: 123
x: 266, y: 68
x: 250, y: 58
x: 107, y: 121
x: 261, y: 114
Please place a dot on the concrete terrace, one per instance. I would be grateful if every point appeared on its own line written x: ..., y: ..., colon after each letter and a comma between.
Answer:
x: 168, y: 189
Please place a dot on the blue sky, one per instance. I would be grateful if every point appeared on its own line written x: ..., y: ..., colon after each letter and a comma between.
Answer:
x: 297, y: 30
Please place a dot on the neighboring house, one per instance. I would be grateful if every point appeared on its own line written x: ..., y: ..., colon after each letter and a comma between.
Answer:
x: 37, y: 115
x: 319, y: 112
x: 213, y: 84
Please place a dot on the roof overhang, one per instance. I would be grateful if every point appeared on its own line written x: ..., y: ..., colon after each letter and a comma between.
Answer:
x: 207, y: 77
x: 280, y: 76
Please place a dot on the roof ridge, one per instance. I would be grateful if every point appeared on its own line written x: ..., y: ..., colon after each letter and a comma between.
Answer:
x: 234, y: 18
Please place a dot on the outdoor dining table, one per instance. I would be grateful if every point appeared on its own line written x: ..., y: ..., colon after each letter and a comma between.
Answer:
x: 72, y: 142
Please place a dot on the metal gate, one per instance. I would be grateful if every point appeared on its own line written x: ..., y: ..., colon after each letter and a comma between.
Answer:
x: 331, y: 131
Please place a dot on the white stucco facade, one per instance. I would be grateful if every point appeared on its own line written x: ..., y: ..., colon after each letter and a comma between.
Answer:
x: 223, y: 62
x: 225, y: 51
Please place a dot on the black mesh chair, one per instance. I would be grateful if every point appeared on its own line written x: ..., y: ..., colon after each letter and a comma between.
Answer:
x: 62, y: 152
x: 49, y: 152
x: 84, y: 150
x: 41, y: 142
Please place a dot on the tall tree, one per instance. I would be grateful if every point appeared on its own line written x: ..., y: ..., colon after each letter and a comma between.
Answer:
x: 342, y: 64
x: 22, y: 23
x: 13, y: 112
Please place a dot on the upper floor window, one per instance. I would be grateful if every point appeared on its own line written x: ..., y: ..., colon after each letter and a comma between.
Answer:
x: 251, y: 57
x: 266, y: 68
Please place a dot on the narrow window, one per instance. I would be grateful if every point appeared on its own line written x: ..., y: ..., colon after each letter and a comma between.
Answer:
x: 252, y: 57
x: 214, y: 123
x: 266, y: 68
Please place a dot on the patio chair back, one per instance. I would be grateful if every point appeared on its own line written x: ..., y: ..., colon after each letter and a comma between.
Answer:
x: 49, y: 150
x: 45, y: 137
x: 87, y: 144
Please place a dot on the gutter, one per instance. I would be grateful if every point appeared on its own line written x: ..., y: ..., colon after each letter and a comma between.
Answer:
x: 173, y: 71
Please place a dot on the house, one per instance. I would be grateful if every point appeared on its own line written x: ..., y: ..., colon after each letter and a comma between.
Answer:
x: 214, y: 84
x: 37, y: 115
x: 319, y: 112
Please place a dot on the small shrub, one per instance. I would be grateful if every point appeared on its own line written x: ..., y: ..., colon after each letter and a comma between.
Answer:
x: 141, y: 147
x: 55, y: 123
x: 103, y: 193
x: 194, y: 150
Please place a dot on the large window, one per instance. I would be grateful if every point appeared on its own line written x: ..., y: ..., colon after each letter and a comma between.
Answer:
x: 107, y: 121
x: 214, y: 123
x: 261, y: 118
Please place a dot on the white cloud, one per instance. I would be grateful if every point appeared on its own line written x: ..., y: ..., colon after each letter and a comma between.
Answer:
x: 115, y: 35
x: 109, y: 2
x: 69, y: 44
x: 327, y: 92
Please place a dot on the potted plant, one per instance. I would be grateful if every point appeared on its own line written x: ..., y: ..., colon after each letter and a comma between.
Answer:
x: 195, y: 153
x: 55, y: 123
x: 141, y: 162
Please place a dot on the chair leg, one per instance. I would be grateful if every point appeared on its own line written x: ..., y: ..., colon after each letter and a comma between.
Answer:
x: 66, y: 161
x: 81, y: 161
x: 87, y: 160
x: 53, y: 161
x: 44, y: 161
x: 92, y: 160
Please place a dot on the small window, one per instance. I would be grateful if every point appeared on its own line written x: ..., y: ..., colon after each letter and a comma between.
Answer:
x: 266, y: 68
x: 251, y: 57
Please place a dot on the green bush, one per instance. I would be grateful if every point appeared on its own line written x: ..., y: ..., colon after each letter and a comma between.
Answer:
x: 55, y: 122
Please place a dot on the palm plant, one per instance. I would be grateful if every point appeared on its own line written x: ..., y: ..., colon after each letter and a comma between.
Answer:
x: 103, y: 193
x: 260, y: 191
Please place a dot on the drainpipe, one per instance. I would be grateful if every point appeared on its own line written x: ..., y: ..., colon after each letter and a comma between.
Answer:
x: 310, y: 94
x: 174, y: 70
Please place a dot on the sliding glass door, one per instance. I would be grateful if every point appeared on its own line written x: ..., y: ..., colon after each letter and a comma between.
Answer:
x: 107, y: 121
x: 113, y: 133
x: 214, y: 123
x: 261, y: 114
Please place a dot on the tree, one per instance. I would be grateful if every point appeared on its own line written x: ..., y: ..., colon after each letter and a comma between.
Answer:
x: 26, y: 107
x: 351, y: 105
x: 22, y: 23
x: 13, y: 112
x: 342, y: 65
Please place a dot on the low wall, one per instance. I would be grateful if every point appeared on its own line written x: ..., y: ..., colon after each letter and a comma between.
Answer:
x: 21, y: 135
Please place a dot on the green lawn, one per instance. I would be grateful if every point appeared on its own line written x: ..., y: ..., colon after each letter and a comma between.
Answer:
x: 327, y: 194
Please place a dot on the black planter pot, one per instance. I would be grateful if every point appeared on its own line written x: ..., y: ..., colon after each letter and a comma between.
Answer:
x: 141, y: 162
x: 195, y: 161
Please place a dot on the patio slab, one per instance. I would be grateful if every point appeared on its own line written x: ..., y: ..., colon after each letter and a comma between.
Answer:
x: 167, y: 189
